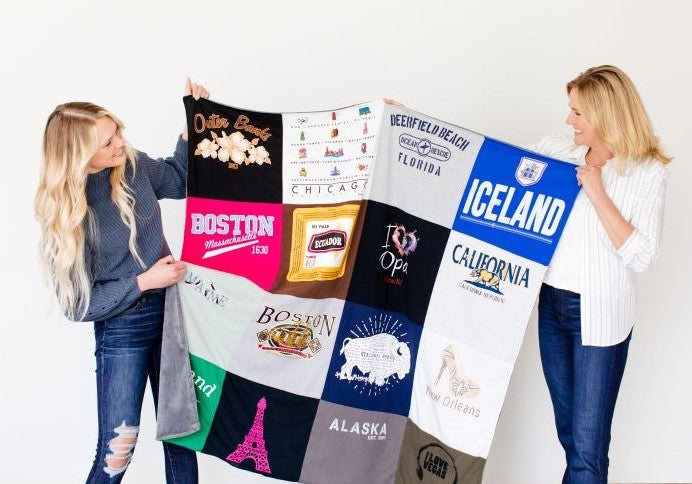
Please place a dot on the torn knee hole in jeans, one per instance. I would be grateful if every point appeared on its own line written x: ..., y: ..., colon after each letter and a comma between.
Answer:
x: 121, y: 449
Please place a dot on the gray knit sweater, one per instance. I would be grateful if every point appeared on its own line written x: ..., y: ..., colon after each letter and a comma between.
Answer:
x: 111, y: 267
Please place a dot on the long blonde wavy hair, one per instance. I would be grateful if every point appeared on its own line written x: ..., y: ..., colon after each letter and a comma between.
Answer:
x: 612, y: 105
x: 70, y: 140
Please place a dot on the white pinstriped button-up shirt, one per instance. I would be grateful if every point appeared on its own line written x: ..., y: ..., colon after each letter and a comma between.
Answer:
x: 606, y: 274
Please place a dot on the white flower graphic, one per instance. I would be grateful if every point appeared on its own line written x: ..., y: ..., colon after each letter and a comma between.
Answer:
x: 232, y: 147
x: 207, y: 148
x: 259, y: 155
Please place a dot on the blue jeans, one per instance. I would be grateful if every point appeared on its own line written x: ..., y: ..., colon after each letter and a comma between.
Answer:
x: 583, y: 382
x: 128, y: 350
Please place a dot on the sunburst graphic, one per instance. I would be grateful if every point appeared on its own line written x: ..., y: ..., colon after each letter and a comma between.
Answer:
x: 384, y: 362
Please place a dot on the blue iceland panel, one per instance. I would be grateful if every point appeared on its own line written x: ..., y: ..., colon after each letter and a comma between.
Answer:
x: 523, y: 194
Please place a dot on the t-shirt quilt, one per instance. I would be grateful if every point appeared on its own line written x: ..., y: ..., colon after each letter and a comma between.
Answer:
x: 359, y: 283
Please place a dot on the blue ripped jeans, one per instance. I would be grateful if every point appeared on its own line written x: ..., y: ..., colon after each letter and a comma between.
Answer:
x: 583, y: 382
x: 128, y: 351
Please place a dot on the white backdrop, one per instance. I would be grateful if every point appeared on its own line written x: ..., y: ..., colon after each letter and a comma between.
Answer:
x: 497, y: 67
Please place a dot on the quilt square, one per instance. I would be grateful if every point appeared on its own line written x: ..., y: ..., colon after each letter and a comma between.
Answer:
x: 517, y: 200
x: 288, y: 343
x: 483, y: 296
x: 261, y: 429
x: 458, y: 393
x: 208, y: 380
x: 424, y: 164
x: 425, y: 458
x: 328, y: 156
x: 234, y: 154
x: 225, y: 303
x: 397, y: 262
x: 236, y: 237
x: 373, y: 360
x: 319, y: 249
x: 349, y: 445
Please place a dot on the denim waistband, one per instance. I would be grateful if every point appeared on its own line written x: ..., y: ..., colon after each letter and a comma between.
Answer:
x: 562, y: 292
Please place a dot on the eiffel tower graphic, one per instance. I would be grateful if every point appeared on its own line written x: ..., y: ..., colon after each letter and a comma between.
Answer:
x: 253, y: 445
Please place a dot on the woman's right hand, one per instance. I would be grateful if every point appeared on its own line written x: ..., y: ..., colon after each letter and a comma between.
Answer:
x: 165, y: 272
x: 196, y: 91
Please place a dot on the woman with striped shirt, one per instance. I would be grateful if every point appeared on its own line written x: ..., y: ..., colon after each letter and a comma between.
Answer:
x: 586, y: 305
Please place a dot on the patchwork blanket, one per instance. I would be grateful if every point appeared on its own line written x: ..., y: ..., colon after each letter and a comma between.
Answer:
x: 359, y: 283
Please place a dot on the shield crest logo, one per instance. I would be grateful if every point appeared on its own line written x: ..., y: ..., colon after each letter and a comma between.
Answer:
x: 530, y: 171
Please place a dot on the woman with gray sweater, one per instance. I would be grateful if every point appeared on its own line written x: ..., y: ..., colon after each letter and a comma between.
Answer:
x: 103, y: 249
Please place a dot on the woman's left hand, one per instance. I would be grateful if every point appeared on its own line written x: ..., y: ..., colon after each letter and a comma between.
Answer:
x: 589, y: 177
x: 393, y: 102
x: 196, y: 91
x: 616, y: 226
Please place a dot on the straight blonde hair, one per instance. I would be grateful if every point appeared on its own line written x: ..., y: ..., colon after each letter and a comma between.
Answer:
x: 70, y: 140
x: 612, y: 105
